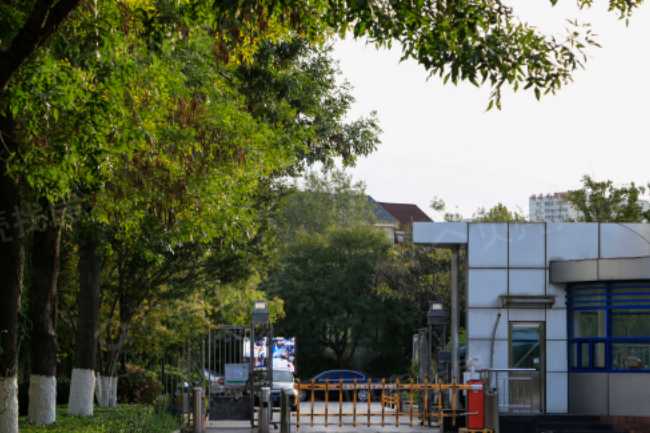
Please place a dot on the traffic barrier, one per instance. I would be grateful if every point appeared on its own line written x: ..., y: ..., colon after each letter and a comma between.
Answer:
x: 423, y: 414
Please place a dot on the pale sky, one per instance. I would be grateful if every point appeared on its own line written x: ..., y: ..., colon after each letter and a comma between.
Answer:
x: 439, y: 141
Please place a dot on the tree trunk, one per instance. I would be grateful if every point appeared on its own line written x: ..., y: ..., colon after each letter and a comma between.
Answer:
x: 82, y: 385
x: 12, y: 261
x: 43, y: 315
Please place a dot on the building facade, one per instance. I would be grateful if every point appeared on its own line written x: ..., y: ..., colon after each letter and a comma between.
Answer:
x: 570, y: 301
x: 550, y: 207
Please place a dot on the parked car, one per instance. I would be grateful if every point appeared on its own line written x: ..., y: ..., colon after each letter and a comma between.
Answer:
x: 335, y: 376
x: 282, y: 379
x: 216, y: 381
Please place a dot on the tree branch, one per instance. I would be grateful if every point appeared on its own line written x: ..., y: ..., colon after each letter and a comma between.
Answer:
x: 42, y: 23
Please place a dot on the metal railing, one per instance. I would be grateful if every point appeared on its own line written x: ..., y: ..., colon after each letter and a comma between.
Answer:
x: 519, y: 389
x: 427, y: 413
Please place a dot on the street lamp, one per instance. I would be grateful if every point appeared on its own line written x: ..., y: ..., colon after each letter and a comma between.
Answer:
x: 436, y: 314
x: 260, y: 312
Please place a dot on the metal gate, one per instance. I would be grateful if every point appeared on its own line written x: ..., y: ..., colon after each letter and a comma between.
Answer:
x: 236, y: 353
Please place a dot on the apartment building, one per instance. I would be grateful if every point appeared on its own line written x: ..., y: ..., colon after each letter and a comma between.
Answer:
x: 553, y: 207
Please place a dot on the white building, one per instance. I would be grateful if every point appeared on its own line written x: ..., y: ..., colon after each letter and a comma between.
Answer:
x: 552, y: 207
x: 569, y: 301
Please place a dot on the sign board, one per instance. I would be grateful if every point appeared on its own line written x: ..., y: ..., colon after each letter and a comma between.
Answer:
x: 236, y: 374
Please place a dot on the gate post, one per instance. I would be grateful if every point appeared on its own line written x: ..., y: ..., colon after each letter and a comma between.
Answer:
x: 424, y: 364
x: 265, y: 416
x: 198, y: 410
x: 285, y: 412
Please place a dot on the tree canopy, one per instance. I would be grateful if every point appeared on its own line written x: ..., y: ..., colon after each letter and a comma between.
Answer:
x: 606, y: 202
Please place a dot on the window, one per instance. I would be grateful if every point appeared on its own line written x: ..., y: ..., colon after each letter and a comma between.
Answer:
x: 609, y: 326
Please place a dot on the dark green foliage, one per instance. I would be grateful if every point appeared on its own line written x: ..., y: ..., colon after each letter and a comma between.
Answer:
x: 118, y: 419
x: 137, y: 385
x: 328, y: 287
x: 312, y: 359
x: 62, y: 390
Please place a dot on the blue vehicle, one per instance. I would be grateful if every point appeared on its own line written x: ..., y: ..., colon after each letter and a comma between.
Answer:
x: 335, y: 376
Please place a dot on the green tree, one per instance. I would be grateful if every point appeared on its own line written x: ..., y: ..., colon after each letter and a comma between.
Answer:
x: 328, y: 286
x: 325, y: 200
x: 499, y: 213
x: 605, y: 202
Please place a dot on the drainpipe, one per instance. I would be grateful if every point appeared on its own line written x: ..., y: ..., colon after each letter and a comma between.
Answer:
x: 494, y: 333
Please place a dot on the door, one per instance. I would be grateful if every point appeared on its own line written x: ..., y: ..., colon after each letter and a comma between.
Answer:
x: 527, y: 351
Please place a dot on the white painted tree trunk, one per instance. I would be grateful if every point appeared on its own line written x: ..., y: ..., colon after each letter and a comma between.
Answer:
x: 42, y: 399
x: 105, y: 391
x: 9, y: 415
x: 98, y: 389
x: 113, y: 400
x: 82, y: 387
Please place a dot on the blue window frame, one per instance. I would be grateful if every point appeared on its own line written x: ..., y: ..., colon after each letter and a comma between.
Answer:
x: 609, y: 326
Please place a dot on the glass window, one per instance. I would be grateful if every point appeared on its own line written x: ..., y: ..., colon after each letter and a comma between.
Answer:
x: 588, y: 323
x: 601, y: 317
x: 584, y: 354
x: 599, y: 355
x: 629, y: 323
x: 631, y: 356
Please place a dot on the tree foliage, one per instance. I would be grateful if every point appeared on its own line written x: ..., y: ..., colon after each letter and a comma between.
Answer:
x: 606, y: 202
x: 499, y: 213
x: 327, y: 284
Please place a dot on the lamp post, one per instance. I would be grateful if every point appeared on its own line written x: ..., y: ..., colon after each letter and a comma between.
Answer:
x: 260, y: 312
x: 261, y: 317
x: 435, y: 318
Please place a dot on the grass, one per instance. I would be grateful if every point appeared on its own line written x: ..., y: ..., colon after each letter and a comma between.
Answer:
x: 123, y: 418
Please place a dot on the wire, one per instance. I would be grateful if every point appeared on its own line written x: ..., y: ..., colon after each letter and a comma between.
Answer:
x: 636, y: 233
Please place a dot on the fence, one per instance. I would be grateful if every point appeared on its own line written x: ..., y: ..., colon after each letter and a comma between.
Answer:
x: 520, y: 389
x: 432, y: 398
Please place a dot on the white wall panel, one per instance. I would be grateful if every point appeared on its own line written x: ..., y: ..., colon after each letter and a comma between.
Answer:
x: 624, y: 240
x: 485, y: 286
x: 556, y: 356
x: 480, y: 349
x: 527, y: 245
x: 557, y: 393
x: 571, y: 241
x: 481, y: 323
x: 526, y: 315
x: 530, y: 282
x: 440, y: 233
x: 488, y: 245
x: 556, y: 324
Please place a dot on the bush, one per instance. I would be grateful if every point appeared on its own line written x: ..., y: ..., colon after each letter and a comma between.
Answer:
x: 163, y: 404
x: 137, y: 385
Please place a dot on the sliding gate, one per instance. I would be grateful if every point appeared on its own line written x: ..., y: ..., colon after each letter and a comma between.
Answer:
x: 235, y: 354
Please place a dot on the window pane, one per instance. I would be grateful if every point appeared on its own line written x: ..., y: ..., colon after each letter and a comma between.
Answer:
x: 584, y: 355
x: 630, y: 323
x: 599, y: 354
x: 573, y: 355
x: 588, y: 323
x: 631, y: 356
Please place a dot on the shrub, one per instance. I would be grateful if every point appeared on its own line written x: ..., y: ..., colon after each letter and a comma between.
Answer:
x: 137, y: 385
x: 163, y: 404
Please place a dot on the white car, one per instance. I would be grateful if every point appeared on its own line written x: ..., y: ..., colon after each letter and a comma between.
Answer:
x: 217, y: 381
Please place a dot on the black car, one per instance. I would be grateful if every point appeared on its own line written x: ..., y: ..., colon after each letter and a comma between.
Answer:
x: 335, y: 376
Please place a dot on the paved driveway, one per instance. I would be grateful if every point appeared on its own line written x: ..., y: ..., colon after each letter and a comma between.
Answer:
x: 333, y: 421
